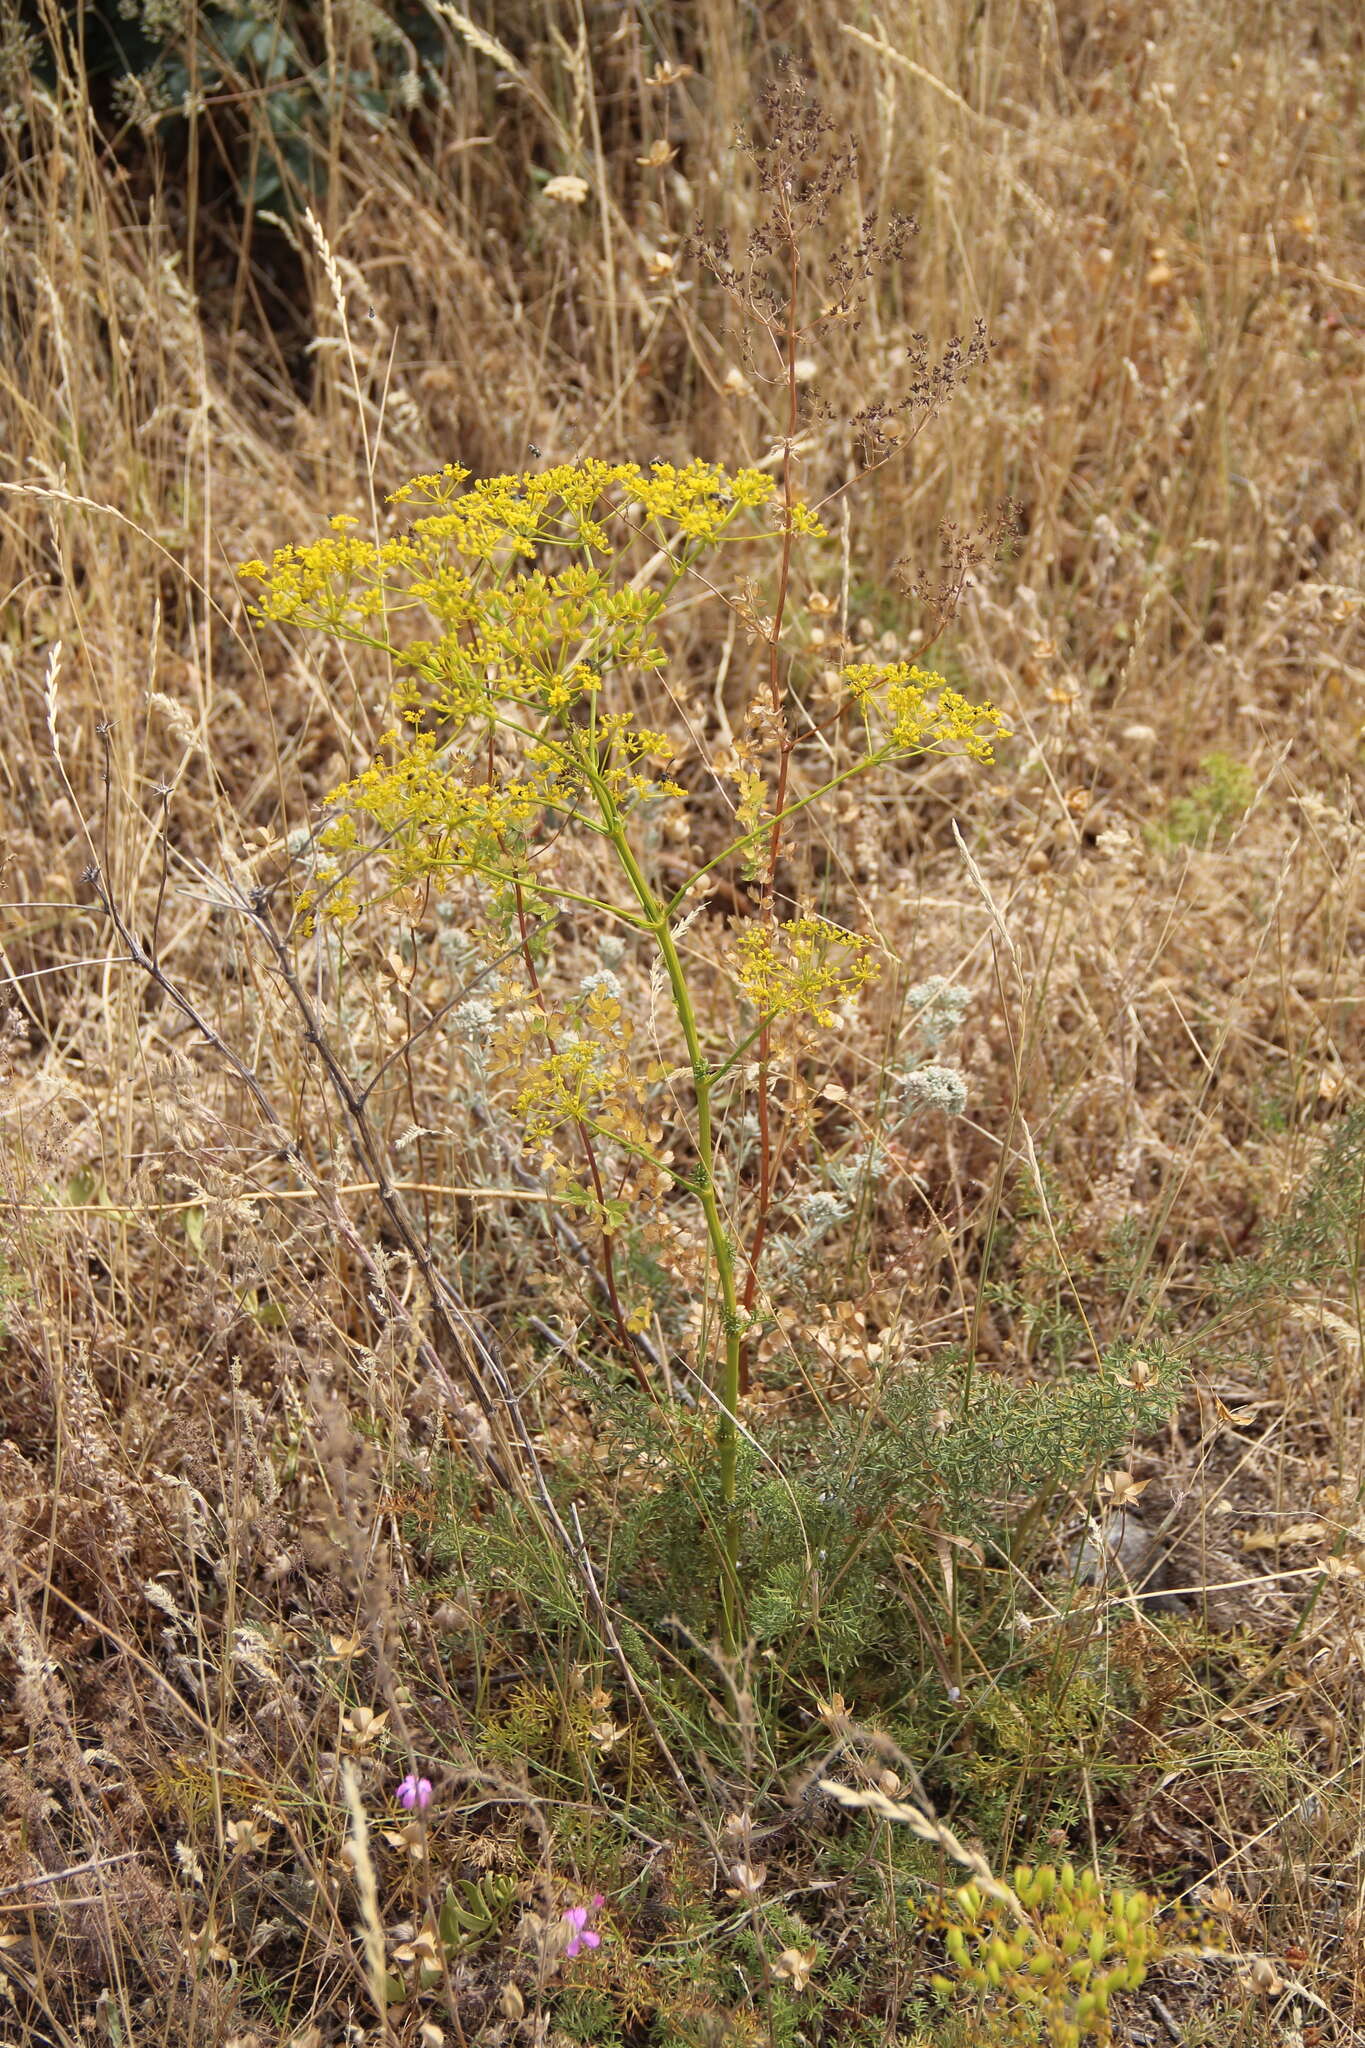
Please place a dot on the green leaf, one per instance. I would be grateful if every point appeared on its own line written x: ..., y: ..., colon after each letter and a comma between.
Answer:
x: 448, y: 1922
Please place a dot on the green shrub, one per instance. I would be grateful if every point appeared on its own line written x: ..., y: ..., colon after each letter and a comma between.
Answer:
x: 262, y: 65
x: 1049, y: 1964
x: 1208, y: 814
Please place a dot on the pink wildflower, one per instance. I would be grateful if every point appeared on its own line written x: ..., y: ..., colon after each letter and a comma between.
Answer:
x: 414, y: 1792
x: 582, y: 1936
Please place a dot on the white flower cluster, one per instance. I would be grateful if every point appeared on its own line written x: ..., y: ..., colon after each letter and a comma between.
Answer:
x: 474, y: 1020
x: 602, y: 982
x: 936, y: 1007
x: 821, y: 1211
x: 933, y: 1088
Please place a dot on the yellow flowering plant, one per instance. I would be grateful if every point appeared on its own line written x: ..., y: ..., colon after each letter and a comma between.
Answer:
x: 521, y: 616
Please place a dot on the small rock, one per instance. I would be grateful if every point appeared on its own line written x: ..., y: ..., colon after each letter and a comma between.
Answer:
x: 1119, y: 1553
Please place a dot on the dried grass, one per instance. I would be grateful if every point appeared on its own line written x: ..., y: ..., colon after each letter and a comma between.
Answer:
x: 212, y: 1408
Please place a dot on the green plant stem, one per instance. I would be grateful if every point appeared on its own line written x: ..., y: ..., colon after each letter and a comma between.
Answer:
x: 704, y: 1186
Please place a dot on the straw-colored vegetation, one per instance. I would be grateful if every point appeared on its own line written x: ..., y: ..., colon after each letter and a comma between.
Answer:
x: 682, y: 1144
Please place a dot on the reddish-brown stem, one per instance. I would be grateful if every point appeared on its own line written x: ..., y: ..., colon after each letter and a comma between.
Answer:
x: 590, y: 1154
x: 785, y: 745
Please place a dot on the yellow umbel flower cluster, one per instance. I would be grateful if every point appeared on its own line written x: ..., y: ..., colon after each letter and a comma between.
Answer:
x: 923, y: 714
x: 502, y: 705
x: 340, y: 581
x: 435, y: 819
x: 805, y: 968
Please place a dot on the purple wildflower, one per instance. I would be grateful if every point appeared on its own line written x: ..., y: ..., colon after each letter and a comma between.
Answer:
x: 582, y: 1936
x: 414, y: 1793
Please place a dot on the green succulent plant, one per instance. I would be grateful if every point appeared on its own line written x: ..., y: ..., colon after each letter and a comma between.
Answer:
x: 1051, y: 1971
